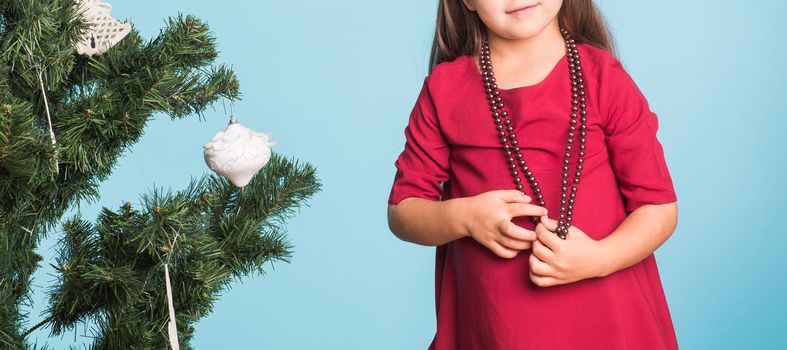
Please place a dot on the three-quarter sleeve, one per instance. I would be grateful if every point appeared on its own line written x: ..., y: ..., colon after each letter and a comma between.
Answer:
x: 424, y: 163
x: 636, y: 155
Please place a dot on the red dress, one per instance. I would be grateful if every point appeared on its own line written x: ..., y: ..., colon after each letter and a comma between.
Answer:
x: 452, y: 150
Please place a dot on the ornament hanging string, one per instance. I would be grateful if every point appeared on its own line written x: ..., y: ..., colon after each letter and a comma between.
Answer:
x: 46, y: 105
x: 172, y: 328
x: 232, y: 110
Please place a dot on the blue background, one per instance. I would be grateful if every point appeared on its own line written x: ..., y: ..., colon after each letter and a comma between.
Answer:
x: 335, y: 82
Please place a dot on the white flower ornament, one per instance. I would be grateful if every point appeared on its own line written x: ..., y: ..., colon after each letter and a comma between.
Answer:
x: 238, y: 152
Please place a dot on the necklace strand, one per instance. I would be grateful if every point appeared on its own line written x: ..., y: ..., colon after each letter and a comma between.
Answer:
x: 506, y: 132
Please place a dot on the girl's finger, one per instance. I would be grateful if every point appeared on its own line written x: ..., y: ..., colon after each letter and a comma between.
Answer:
x: 512, y: 243
x: 542, y: 252
x: 502, y: 251
x: 540, y: 268
x: 549, y: 223
x: 548, y: 238
x: 543, y: 281
x: 525, y: 209
x: 514, y: 196
x: 515, y: 231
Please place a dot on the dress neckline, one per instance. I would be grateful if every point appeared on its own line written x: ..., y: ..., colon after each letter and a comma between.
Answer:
x: 550, y: 76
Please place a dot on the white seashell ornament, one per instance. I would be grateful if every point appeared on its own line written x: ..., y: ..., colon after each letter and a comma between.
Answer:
x: 238, y: 152
x: 103, y: 31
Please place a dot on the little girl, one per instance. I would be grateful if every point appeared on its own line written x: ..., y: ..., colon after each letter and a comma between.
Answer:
x: 524, y: 99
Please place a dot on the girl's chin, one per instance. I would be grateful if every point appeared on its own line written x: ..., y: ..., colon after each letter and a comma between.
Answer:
x: 519, y: 30
x: 518, y: 34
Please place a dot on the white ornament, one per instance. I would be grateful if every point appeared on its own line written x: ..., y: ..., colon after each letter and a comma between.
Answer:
x: 238, y: 152
x: 103, y: 31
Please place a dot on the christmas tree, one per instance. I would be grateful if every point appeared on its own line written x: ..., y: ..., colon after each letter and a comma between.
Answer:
x: 65, y: 119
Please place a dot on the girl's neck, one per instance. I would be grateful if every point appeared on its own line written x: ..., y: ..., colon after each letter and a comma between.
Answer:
x: 546, y: 45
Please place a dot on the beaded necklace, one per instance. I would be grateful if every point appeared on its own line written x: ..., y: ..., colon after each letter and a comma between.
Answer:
x: 504, y: 127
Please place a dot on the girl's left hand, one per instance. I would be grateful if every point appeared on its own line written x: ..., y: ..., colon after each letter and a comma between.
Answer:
x: 555, y: 261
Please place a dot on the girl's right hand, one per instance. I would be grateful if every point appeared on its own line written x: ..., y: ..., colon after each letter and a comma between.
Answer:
x: 487, y: 218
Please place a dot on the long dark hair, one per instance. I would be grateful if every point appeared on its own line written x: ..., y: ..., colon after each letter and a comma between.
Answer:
x: 460, y: 32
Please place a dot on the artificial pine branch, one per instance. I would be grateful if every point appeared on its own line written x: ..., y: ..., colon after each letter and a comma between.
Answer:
x: 112, y: 271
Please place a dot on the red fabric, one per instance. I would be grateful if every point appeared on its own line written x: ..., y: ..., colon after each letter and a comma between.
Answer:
x: 452, y: 150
